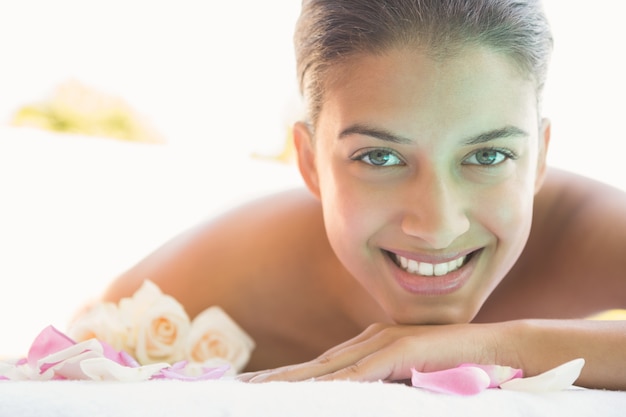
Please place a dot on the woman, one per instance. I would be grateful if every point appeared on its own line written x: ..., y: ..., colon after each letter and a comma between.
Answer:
x: 432, y: 232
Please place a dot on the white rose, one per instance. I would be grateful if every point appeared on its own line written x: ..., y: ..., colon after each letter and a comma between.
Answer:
x: 214, y: 336
x: 102, y: 321
x: 157, y: 324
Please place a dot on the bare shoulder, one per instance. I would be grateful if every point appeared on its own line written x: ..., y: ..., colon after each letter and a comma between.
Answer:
x: 580, y: 214
x: 209, y: 261
x: 575, y: 261
x: 267, y: 263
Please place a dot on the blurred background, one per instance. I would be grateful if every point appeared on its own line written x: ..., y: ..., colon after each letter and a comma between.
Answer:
x: 122, y: 122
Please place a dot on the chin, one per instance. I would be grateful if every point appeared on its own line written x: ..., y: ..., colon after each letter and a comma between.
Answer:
x: 435, y: 314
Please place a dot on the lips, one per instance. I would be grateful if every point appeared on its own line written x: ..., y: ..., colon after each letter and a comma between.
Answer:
x: 432, y: 276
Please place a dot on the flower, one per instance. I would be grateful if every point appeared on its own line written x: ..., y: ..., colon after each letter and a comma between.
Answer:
x: 103, y: 322
x: 157, y: 325
x: 153, y: 327
x: 214, y: 335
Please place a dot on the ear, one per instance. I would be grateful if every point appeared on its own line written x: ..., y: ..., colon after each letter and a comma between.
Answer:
x: 303, y: 140
x: 544, y: 142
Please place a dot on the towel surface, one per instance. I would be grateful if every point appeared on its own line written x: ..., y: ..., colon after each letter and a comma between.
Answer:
x: 276, y: 399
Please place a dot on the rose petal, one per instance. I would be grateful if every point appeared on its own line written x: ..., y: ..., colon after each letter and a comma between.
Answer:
x: 70, y: 351
x: 120, y: 356
x: 182, y: 374
x: 49, y: 341
x: 64, y: 363
x: 559, y: 378
x: 103, y: 369
x: 462, y: 380
x: 15, y: 371
x: 69, y: 368
x: 127, y: 360
x: 497, y: 374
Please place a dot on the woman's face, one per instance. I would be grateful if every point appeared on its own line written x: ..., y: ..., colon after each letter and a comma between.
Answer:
x: 427, y: 171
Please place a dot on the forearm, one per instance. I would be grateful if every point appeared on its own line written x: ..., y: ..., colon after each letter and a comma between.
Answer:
x: 543, y: 344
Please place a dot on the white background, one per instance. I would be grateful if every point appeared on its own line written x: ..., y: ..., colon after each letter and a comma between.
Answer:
x: 199, y: 69
x: 217, y: 79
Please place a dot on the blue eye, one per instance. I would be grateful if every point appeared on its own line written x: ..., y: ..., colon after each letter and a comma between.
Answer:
x: 489, y: 157
x: 379, y: 158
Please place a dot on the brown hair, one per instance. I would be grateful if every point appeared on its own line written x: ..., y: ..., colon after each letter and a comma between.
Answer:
x: 330, y: 31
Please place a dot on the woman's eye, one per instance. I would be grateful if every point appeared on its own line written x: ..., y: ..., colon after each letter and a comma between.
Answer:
x: 488, y: 157
x: 379, y: 157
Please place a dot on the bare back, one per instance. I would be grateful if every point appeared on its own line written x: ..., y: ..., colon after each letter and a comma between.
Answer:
x: 269, y: 265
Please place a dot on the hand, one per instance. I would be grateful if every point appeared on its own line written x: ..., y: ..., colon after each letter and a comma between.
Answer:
x: 388, y: 352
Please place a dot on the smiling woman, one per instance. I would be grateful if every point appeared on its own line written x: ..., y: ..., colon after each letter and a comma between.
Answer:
x: 429, y: 122
x: 432, y: 232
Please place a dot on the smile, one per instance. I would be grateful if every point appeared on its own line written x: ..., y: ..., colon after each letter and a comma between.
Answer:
x: 428, y: 269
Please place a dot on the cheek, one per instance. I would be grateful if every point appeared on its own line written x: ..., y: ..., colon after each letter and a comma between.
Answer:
x: 348, y: 212
x: 507, y: 215
x: 353, y: 213
x: 507, y: 204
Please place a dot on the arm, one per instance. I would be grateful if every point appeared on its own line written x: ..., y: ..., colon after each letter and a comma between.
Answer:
x: 227, y: 260
x: 573, y: 266
x: 389, y: 352
x: 262, y: 263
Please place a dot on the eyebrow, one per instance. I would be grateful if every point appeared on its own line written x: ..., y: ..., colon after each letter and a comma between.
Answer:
x: 381, y: 134
x: 359, y: 129
x: 502, y: 133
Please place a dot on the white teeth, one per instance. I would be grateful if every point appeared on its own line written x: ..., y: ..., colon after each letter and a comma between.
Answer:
x: 441, y: 269
x: 427, y: 269
x: 411, y: 265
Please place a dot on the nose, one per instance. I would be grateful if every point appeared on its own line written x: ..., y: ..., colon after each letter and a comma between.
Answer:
x: 435, y: 211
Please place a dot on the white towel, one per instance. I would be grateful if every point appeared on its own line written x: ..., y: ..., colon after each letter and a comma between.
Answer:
x: 277, y: 399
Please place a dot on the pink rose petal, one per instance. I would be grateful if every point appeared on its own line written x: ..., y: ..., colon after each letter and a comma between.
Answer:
x: 497, y: 374
x: 49, y: 341
x: 462, y: 380
x: 127, y: 360
x: 121, y: 357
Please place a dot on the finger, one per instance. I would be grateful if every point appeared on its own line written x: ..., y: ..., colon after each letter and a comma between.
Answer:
x: 391, y: 363
x: 337, y: 358
x: 248, y: 376
x: 305, y: 371
x: 372, y: 339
